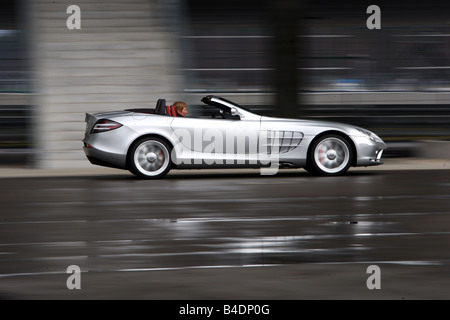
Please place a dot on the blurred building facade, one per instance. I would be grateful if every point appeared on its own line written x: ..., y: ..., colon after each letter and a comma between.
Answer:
x: 311, y: 58
x: 122, y: 57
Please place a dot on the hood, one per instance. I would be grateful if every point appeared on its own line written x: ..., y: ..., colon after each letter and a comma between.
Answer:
x: 309, y: 122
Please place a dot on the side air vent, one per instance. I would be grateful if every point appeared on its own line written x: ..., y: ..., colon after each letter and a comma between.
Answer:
x: 281, y: 141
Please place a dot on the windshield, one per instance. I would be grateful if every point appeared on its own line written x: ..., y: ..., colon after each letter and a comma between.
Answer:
x: 221, y: 103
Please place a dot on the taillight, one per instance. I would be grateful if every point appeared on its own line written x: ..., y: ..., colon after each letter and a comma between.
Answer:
x: 105, y: 125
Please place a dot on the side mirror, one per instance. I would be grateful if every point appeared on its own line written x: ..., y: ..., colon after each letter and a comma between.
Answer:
x: 233, y: 111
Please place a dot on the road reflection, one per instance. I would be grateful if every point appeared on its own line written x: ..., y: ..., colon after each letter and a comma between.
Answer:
x: 188, y: 223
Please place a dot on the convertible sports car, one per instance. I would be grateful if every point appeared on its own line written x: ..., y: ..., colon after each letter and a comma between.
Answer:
x: 150, y: 142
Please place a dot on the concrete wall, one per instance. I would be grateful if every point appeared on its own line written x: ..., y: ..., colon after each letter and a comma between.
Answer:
x: 123, y: 56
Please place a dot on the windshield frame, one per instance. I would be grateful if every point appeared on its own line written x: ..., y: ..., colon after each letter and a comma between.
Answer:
x: 226, y: 106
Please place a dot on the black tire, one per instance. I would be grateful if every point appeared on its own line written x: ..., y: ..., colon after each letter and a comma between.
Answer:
x: 150, y: 158
x: 330, y: 155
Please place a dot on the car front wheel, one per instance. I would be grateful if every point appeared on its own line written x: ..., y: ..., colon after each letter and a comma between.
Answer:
x: 330, y: 155
x: 150, y: 158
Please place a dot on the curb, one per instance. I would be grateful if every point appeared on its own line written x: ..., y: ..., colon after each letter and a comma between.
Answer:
x: 390, y: 164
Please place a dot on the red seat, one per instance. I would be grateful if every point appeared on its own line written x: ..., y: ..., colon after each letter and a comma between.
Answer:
x: 171, y: 111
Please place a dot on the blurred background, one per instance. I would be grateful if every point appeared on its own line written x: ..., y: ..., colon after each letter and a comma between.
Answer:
x: 220, y: 235
x: 293, y: 58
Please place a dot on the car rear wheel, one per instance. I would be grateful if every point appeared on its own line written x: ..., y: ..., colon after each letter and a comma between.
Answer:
x: 330, y: 155
x: 150, y: 158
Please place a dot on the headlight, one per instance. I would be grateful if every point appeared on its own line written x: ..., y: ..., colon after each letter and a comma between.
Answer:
x: 372, y: 136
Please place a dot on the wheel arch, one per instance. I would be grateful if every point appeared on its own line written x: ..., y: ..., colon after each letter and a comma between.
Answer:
x: 338, y: 133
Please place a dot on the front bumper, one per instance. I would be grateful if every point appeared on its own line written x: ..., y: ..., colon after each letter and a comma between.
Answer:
x: 369, y: 152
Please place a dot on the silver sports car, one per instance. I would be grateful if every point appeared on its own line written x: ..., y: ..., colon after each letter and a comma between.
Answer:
x: 150, y: 142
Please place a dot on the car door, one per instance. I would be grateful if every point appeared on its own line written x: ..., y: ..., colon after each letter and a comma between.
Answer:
x: 216, y: 141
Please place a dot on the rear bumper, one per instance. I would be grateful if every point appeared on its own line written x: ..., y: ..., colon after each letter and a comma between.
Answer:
x: 102, y: 158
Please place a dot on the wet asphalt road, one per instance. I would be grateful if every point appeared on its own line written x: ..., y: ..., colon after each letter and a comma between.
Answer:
x: 227, y: 236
